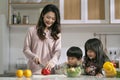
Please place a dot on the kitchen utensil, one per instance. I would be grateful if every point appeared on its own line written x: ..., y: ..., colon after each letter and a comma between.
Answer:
x: 41, y: 65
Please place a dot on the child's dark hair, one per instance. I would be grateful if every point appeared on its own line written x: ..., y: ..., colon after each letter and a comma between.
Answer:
x: 74, y: 52
x: 96, y: 45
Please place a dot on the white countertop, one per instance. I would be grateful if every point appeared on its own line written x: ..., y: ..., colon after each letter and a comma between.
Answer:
x: 57, y: 77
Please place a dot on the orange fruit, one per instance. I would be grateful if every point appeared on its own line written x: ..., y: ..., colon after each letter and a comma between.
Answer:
x: 27, y: 73
x: 19, y: 73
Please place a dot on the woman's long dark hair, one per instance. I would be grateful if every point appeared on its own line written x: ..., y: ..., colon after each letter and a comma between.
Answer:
x: 95, y: 45
x: 55, y: 28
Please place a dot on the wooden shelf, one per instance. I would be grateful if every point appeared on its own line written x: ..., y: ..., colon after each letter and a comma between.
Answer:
x: 31, y: 9
x: 21, y: 25
x: 30, y: 5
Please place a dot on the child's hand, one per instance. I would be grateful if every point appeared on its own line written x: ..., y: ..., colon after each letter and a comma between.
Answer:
x: 99, y: 75
x: 88, y: 69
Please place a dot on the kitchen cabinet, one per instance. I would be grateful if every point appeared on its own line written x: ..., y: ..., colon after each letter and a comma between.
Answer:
x: 70, y: 11
x: 28, y: 9
x: 97, y: 11
x: 84, y: 11
x: 115, y: 11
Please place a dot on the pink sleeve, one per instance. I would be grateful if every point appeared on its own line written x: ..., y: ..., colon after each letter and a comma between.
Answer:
x: 56, y: 52
x: 27, y: 46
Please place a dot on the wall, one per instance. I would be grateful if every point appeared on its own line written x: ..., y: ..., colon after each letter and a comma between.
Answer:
x: 4, y: 37
x: 75, y: 35
x: 78, y: 34
x: 4, y: 7
x: 4, y: 44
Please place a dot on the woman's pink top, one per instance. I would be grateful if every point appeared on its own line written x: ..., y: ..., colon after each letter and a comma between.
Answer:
x: 47, y: 50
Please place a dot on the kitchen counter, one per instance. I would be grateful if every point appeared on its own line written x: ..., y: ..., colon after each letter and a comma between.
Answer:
x: 57, y: 77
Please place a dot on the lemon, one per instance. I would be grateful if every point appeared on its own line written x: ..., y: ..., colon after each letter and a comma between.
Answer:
x: 27, y: 73
x: 19, y: 73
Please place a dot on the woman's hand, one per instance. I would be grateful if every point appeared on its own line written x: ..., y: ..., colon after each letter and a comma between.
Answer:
x: 36, y: 60
x: 49, y: 66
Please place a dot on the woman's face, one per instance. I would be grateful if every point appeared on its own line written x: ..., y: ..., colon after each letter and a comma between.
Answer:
x: 72, y: 61
x: 91, y: 54
x: 49, y: 19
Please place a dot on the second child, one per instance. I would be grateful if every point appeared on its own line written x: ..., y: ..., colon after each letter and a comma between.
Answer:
x: 95, y: 57
x: 74, y: 57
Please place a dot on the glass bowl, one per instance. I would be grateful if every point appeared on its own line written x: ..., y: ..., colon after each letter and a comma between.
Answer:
x: 73, y: 72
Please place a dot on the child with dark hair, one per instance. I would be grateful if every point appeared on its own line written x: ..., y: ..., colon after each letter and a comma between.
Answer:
x: 95, y: 57
x: 74, y: 57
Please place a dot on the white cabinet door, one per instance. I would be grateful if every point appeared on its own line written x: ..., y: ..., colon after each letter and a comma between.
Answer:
x: 115, y: 11
x: 70, y: 11
x: 96, y: 11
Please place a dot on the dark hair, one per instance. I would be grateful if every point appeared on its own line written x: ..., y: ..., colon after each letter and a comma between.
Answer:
x: 95, y: 45
x: 74, y: 52
x: 55, y: 28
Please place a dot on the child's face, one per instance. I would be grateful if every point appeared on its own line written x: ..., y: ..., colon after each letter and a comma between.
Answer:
x: 91, y: 54
x: 72, y: 61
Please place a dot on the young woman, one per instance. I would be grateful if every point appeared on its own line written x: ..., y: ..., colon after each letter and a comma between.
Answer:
x: 43, y: 42
x: 95, y: 57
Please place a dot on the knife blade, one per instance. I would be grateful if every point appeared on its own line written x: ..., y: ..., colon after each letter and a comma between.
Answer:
x: 41, y: 65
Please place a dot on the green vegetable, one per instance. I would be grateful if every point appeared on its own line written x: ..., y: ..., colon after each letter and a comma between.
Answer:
x: 118, y: 74
x: 73, y: 72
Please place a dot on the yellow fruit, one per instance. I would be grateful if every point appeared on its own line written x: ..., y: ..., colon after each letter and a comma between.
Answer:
x: 27, y: 73
x: 109, y: 69
x: 19, y: 73
x: 108, y: 66
x: 111, y: 74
